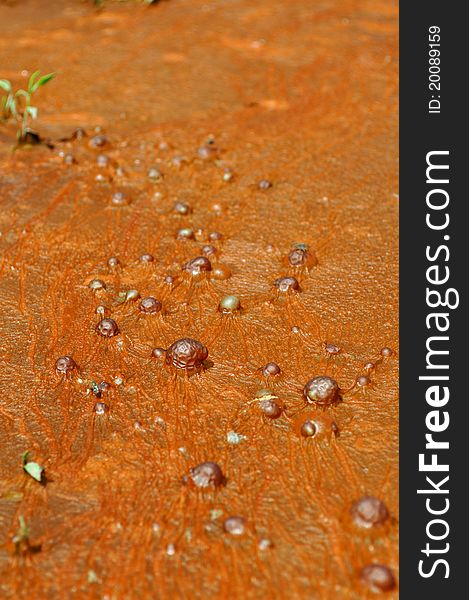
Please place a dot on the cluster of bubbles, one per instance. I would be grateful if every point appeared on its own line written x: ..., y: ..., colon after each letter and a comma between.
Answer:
x: 190, y: 356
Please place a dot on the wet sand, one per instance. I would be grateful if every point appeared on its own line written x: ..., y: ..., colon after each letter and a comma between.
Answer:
x: 199, y: 102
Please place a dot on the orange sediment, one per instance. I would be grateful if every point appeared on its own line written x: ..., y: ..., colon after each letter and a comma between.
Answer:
x: 301, y: 95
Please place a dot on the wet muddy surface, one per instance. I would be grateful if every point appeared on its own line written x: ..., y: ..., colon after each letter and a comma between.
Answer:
x: 234, y: 186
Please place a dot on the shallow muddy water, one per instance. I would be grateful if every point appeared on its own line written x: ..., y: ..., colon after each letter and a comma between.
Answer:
x: 232, y: 130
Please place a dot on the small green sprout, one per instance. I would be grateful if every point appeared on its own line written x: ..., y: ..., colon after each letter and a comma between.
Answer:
x: 8, y: 101
x: 21, y: 539
x: 33, y: 468
x: 17, y: 105
x: 22, y: 535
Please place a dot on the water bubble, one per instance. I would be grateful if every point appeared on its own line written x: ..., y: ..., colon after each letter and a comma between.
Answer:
x: 64, y: 364
x: 229, y: 304
x: 150, y: 305
x: 207, y: 474
x: 97, y: 284
x: 102, y: 310
x: 209, y: 250
x: 178, y: 161
x: 271, y: 369
x: 113, y: 261
x: 287, y: 284
x: 102, y: 160
x: 302, y: 257
x: 235, y: 525
x: 269, y: 404
x: 332, y: 348
x: 206, y: 152
x: 131, y: 295
x: 198, y: 265
x: 185, y: 234
x: 107, y: 328
x: 182, y: 208
x: 265, y: 544
x: 154, y: 175
x: 98, y: 141
x: 101, y: 408
x: 322, y: 390
x: 270, y: 408
x: 308, y: 429
x: 368, y: 512
x: 363, y: 381
x: 186, y: 353
x: 227, y: 174
x: 221, y: 272
x: 378, y: 578
x: 120, y: 199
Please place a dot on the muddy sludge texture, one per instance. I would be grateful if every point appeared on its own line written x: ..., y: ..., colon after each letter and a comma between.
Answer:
x: 275, y: 122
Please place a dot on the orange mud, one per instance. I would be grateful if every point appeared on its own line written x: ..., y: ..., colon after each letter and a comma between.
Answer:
x: 301, y: 93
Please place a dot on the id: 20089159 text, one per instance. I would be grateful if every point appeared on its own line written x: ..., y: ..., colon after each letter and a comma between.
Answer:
x: 434, y: 62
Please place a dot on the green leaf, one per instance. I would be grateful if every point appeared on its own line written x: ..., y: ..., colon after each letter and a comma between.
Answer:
x: 5, y: 85
x: 44, y: 79
x: 32, y: 110
x: 23, y: 531
x: 24, y: 93
x: 31, y: 79
x: 10, y: 105
x: 35, y: 470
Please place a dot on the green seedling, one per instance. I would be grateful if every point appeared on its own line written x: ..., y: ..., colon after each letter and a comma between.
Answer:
x: 18, y: 105
x: 21, y: 539
x: 8, y: 101
x: 33, y: 468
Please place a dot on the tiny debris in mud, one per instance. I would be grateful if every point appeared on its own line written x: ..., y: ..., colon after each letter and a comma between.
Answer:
x: 235, y: 438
